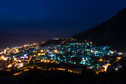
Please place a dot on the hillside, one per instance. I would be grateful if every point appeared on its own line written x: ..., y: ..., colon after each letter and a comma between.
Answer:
x: 111, y: 32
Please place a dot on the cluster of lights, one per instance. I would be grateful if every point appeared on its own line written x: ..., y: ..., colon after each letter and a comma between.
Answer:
x: 3, y: 58
x: 68, y: 53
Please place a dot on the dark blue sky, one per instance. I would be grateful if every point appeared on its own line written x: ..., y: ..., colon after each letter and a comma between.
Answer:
x: 55, y: 17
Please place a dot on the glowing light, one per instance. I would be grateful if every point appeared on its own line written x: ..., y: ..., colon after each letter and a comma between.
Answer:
x: 60, y: 69
x: 91, y: 43
x: 41, y: 50
x: 10, y: 65
x: 106, y: 66
x: 16, y: 74
x: 83, y: 59
x: 45, y: 60
x: 18, y: 60
x: 3, y: 58
x: 118, y: 58
x: 41, y: 60
x: 25, y: 55
x: 100, y: 60
x: 112, y: 52
x: 17, y: 51
x: 41, y: 53
x: 116, y: 69
x: 51, y: 62
x: 92, y: 51
x: 21, y: 64
x: 48, y: 61
x: 70, y: 71
x: 15, y: 59
x: 120, y: 53
x: 56, y: 51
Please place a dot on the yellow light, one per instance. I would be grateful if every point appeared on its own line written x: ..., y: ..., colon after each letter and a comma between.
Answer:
x: 92, y: 51
x: 45, y: 60
x: 3, y: 58
x: 17, y: 51
x: 41, y: 60
x: 21, y: 64
x: 112, y: 52
x: 61, y: 69
x: 41, y: 53
x: 15, y: 59
x: 83, y: 59
x: 56, y: 51
x: 16, y: 74
x: 48, y: 61
x: 118, y: 58
x: 106, y: 66
x: 10, y: 65
x: 70, y: 71
x: 41, y: 50
x: 100, y: 60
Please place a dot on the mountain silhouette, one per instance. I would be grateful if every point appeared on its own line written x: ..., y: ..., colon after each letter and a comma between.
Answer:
x: 111, y: 32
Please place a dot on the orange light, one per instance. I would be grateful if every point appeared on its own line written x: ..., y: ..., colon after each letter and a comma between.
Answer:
x: 100, y: 60
x: 118, y: 58
x: 91, y: 43
x: 3, y: 58
x: 10, y: 65
x: 56, y: 51
x: 106, y: 66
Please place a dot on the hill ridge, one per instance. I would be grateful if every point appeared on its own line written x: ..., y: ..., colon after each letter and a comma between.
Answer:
x: 111, y: 32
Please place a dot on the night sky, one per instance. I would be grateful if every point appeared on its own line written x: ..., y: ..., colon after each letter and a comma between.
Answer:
x: 55, y: 18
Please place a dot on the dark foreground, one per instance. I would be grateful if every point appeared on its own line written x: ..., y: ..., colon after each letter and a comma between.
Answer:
x: 37, y: 76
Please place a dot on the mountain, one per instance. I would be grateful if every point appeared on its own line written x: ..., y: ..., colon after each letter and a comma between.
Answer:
x: 13, y: 39
x: 111, y: 32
